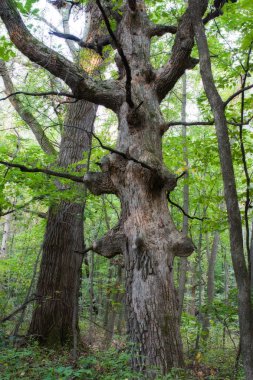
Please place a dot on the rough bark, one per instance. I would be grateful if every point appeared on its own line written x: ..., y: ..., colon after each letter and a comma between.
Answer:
x: 60, y: 271
x: 233, y: 210
x: 55, y: 320
x: 151, y: 240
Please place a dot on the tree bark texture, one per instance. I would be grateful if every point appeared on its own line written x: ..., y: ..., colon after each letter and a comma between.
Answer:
x: 60, y: 271
x: 230, y: 192
x: 146, y: 234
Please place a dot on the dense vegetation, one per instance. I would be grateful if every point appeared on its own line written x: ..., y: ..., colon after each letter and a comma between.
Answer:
x: 54, y: 215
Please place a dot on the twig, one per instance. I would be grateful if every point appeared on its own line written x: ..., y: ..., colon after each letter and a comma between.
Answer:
x: 236, y: 94
x: 22, y: 206
x: 20, y: 308
x: 85, y: 251
x: 122, y: 154
x: 181, y: 209
x: 38, y: 94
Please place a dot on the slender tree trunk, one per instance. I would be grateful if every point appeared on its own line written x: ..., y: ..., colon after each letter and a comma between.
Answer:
x: 183, y: 261
x: 113, y: 307
x: 6, y: 234
x: 251, y: 259
x: 233, y: 210
x: 210, y: 284
x: 57, y: 288
x: 199, y: 286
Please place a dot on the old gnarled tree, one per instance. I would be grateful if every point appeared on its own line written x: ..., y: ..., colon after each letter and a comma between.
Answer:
x: 146, y: 235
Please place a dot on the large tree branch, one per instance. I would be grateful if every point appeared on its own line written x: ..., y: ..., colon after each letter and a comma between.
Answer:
x: 160, y: 30
x: 236, y: 94
x: 180, y: 58
x: 107, y: 93
x: 121, y: 54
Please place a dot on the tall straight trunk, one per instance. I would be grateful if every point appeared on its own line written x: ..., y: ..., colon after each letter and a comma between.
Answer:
x: 199, y: 284
x: 113, y: 308
x: 232, y: 204
x: 59, y: 278
x: 183, y: 261
x: 5, y: 237
x: 210, y: 283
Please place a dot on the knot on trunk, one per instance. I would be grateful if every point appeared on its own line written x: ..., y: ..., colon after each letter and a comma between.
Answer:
x: 111, y: 244
x: 183, y: 246
x: 144, y: 262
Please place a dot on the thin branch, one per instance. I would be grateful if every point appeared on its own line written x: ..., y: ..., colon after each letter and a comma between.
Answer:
x: 236, y: 94
x: 200, y: 123
x: 38, y: 94
x: 122, y: 154
x: 97, y: 45
x: 122, y: 55
x: 45, y: 171
x: 20, y: 308
x: 22, y: 206
x: 181, y: 209
x: 85, y: 251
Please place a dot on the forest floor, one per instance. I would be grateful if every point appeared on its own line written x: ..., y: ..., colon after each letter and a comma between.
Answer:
x: 33, y: 363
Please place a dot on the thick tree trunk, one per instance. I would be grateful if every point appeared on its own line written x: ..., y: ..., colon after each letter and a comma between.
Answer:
x: 59, y: 277
x: 151, y: 239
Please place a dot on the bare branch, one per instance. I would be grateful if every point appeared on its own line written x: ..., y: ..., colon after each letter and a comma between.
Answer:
x: 97, y: 45
x: 45, y: 171
x: 160, y: 30
x: 181, y: 209
x: 38, y: 94
x: 236, y: 94
x: 22, y: 207
x: 165, y: 127
x: 180, y: 59
x: 20, y: 308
